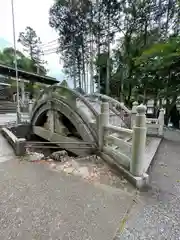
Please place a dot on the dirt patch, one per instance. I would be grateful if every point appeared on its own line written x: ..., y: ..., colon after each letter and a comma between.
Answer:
x: 91, y: 168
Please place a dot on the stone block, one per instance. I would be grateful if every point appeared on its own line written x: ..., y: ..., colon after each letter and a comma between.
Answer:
x: 20, y: 149
x: 139, y: 182
x: 18, y: 144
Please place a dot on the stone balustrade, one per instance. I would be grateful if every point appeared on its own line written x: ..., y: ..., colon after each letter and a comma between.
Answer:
x: 156, y: 124
x: 130, y: 155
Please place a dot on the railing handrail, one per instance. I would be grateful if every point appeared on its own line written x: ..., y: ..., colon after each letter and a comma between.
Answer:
x: 118, y: 129
x: 73, y: 92
x: 112, y: 100
x: 151, y: 119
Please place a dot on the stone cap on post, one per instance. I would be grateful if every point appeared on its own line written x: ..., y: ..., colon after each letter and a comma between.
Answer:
x: 141, y: 109
x: 141, y: 116
x: 162, y: 110
x: 161, y: 113
x: 134, y: 106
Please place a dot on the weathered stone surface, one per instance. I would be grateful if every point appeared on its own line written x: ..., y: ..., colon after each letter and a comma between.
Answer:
x: 59, y: 156
x: 68, y: 143
x: 77, y: 121
x: 34, y: 156
x: 18, y: 144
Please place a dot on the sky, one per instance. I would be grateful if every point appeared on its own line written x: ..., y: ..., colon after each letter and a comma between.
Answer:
x: 33, y: 13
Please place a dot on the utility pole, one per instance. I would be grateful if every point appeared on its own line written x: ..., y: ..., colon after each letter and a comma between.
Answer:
x: 108, y: 56
x: 98, y: 42
x: 15, y: 63
x: 91, y: 55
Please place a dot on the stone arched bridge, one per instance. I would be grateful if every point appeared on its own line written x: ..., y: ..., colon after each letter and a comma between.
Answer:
x: 97, y: 124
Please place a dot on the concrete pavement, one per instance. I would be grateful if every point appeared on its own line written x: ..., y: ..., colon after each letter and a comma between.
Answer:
x: 10, y: 118
x: 37, y: 203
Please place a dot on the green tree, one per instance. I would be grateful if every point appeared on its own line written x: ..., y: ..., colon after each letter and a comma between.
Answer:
x: 144, y: 62
x: 71, y: 20
x: 23, y: 62
x: 32, y: 45
x: 101, y: 64
x: 161, y: 63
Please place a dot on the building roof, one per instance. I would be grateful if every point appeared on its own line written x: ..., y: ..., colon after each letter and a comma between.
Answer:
x: 4, y: 84
x: 32, y: 77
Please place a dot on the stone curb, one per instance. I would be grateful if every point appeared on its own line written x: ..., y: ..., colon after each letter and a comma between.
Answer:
x: 18, y: 144
x: 138, y: 182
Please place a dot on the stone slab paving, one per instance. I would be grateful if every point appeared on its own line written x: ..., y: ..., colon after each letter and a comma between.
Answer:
x: 7, y: 118
x: 10, y: 118
x: 37, y: 203
x: 158, y: 214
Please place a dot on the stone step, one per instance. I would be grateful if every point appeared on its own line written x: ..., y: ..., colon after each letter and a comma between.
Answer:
x: 7, y: 107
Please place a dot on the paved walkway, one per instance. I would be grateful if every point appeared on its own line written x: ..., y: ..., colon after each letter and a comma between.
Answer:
x: 158, y: 215
x: 37, y: 203
x: 10, y: 118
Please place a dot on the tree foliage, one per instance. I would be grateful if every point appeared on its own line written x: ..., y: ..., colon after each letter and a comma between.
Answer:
x: 23, y: 63
x: 32, y: 45
x: 134, y: 46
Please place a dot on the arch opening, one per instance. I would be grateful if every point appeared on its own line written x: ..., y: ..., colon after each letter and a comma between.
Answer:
x: 66, y: 123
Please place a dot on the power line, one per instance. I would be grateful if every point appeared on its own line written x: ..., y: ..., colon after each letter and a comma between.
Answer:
x: 53, y: 48
x: 49, y: 46
x: 49, y: 53
x: 50, y: 42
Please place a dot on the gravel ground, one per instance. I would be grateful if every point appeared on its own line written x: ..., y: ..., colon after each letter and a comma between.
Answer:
x: 158, y: 215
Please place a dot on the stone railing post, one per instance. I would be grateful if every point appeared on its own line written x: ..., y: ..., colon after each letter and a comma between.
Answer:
x: 103, y: 120
x: 30, y: 106
x: 133, y: 113
x: 139, y: 142
x: 161, y: 122
x: 22, y: 91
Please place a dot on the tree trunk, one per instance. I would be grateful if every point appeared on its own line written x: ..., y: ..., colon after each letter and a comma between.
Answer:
x: 79, y: 70
x: 129, y: 94
x: 155, y: 107
x: 167, y: 18
x: 169, y: 106
x: 83, y: 68
x: 74, y: 65
x: 144, y: 96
